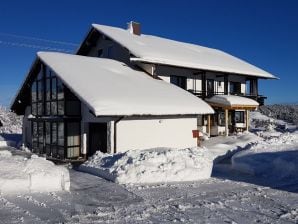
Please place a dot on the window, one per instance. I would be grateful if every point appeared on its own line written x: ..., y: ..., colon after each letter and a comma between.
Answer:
x: 221, y: 118
x: 33, y: 92
x: 54, y: 95
x: 73, y: 139
x: 178, y: 81
x: 239, y: 117
x: 235, y: 87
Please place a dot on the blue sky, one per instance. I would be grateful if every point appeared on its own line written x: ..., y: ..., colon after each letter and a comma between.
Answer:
x: 262, y: 32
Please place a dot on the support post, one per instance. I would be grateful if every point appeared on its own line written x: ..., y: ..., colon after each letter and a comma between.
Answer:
x: 247, y: 119
x: 226, y: 122
x: 209, y: 125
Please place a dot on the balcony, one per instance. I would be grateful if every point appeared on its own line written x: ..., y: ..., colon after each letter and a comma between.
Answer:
x: 207, y: 94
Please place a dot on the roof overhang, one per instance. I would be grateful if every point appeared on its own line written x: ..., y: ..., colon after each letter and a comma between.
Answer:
x: 231, y: 102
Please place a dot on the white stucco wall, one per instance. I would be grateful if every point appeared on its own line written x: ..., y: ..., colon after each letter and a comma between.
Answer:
x: 151, y: 133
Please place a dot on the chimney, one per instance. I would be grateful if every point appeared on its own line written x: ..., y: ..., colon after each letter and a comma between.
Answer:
x: 134, y: 28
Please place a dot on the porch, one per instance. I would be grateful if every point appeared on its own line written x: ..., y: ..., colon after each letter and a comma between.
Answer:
x: 232, y: 113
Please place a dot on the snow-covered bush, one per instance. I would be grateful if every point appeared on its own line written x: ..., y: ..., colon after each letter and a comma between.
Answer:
x: 11, y: 123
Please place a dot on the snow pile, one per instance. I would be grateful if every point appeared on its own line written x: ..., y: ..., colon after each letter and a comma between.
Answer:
x: 34, y: 174
x: 222, y: 147
x: 11, y: 122
x: 157, y: 165
x: 275, y: 156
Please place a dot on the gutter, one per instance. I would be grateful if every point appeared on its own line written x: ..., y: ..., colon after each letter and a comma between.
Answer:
x: 115, y: 133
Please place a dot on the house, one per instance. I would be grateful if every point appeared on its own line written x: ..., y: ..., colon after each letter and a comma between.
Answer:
x: 227, y: 83
x: 74, y: 105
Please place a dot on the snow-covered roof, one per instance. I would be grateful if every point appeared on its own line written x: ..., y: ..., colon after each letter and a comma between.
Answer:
x: 157, y: 50
x: 232, y: 101
x: 111, y: 88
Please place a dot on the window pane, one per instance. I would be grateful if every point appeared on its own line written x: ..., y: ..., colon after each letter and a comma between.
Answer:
x: 61, y: 134
x: 48, y: 72
x: 60, y: 89
x: 48, y: 89
x: 34, y: 109
x: 48, y: 133
x: 39, y: 76
x: 39, y: 109
x: 54, y: 108
x: 60, y: 107
x: 33, y: 92
x: 73, y: 134
x: 34, y: 131
x: 54, y: 133
x: 221, y: 118
x: 73, y: 152
x: 61, y: 152
x: 39, y: 90
x: 40, y: 132
x: 54, y: 89
x: 48, y: 108
x: 239, y: 116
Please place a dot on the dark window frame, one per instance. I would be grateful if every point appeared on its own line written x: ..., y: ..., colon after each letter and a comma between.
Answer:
x: 241, y: 117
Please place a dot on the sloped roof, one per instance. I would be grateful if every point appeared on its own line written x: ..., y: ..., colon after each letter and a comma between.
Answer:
x: 153, y: 49
x: 111, y: 88
x: 232, y: 101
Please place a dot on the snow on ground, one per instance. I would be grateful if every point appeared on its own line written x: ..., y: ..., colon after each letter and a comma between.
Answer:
x: 23, y: 172
x: 231, y: 195
x: 274, y: 156
x: 160, y: 165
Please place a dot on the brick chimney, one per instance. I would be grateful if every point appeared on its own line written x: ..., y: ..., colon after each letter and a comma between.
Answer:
x: 134, y: 28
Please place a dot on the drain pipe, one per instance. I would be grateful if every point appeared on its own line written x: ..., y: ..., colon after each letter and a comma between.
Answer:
x: 115, y: 133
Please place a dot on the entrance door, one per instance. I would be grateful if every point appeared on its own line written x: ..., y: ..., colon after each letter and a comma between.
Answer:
x: 97, y: 138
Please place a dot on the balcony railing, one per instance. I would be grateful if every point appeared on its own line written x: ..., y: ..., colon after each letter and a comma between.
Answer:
x: 207, y: 94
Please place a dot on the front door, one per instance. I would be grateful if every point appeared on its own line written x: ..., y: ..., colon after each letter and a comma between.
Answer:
x: 97, y: 138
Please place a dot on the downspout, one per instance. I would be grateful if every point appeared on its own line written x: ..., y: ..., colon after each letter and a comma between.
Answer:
x: 115, y: 133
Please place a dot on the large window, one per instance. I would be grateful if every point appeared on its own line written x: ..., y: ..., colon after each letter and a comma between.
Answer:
x: 56, y: 126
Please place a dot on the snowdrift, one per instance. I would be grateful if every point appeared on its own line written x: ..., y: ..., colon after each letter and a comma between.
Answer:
x: 274, y: 155
x: 19, y: 174
x: 159, y: 165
